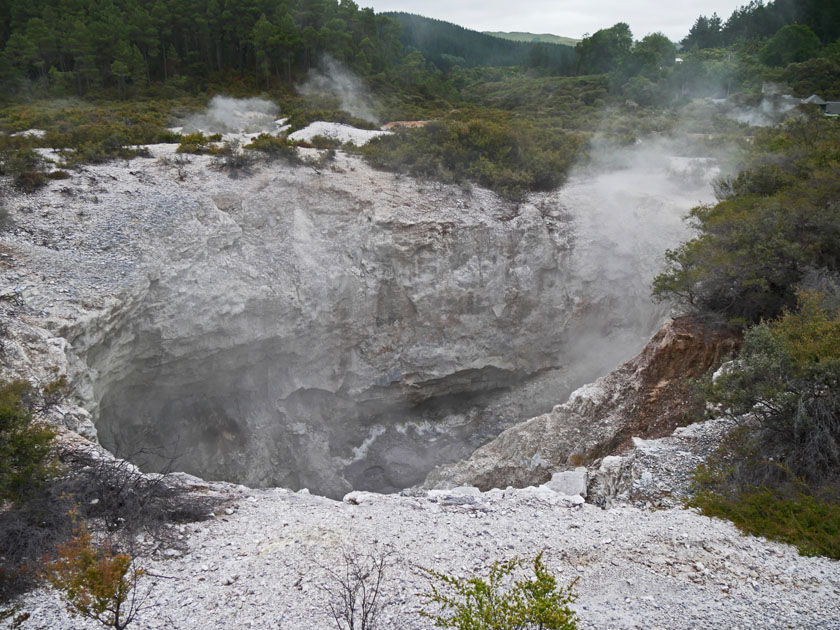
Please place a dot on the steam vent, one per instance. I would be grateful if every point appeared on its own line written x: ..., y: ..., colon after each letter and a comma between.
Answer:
x: 337, y: 330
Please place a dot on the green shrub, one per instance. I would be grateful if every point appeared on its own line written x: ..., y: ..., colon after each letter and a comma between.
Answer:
x: 323, y: 142
x: 787, y: 382
x: 511, y: 159
x: 274, y: 148
x: 493, y: 604
x: 231, y: 158
x: 200, y: 144
x: 26, y: 448
x: 773, y: 224
x: 17, y: 160
x: 30, y: 181
x: 777, y: 473
x: 797, y: 517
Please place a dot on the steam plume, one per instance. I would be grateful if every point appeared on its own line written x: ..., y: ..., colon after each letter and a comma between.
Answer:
x: 339, y: 82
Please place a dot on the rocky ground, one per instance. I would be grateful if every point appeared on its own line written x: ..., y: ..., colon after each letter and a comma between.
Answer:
x: 262, y: 562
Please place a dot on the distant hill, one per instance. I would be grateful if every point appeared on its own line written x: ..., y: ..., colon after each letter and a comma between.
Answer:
x: 447, y: 45
x: 545, y: 38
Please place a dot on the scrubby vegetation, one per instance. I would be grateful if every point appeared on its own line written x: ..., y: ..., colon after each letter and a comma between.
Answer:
x: 48, y: 492
x: 499, y: 602
x: 509, y: 158
x: 779, y: 472
x: 767, y: 259
x: 775, y: 222
x: 97, y: 582
x: 26, y: 448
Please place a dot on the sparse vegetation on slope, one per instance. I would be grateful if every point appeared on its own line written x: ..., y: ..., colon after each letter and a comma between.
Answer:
x: 767, y: 258
x: 778, y: 474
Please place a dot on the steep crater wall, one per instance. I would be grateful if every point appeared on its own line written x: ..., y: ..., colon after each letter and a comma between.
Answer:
x: 351, y: 329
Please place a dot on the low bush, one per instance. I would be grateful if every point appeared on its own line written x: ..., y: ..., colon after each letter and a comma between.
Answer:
x: 792, y: 515
x: 30, y: 181
x: 199, y: 144
x: 777, y: 473
x: 97, y: 582
x: 15, y: 160
x: 323, y: 142
x: 27, y: 458
x: 511, y: 159
x: 274, y: 148
x: 495, y: 603
x: 231, y: 158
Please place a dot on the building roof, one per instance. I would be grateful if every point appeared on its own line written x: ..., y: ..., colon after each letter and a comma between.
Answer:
x: 832, y: 108
x: 814, y: 99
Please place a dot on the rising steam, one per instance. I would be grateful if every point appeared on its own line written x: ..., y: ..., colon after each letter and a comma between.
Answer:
x: 234, y: 115
x: 336, y: 81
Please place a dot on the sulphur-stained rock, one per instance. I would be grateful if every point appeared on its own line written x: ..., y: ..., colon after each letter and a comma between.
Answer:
x: 647, y: 396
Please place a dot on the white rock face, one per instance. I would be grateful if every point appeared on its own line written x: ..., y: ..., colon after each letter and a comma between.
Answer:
x: 569, y: 482
x: 336, y: 331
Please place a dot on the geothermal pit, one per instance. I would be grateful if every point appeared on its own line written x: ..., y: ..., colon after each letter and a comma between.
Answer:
x: 338, y: 329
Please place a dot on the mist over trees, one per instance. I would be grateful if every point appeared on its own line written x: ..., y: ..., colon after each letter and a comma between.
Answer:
x: 447, y: 45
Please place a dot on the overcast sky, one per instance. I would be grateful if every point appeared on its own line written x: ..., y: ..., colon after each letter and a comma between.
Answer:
x: 570, y: 18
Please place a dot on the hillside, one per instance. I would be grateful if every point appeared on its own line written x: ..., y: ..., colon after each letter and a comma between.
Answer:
x: 534, y: 38
x: 447, y: 45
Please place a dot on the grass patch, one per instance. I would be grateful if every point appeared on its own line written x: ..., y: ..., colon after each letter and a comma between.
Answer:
x: 810, y: 523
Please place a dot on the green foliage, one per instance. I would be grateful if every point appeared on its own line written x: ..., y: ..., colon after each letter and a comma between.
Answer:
x: 121, y: 46
x: 447, y: 45
x: 815, y: 76
x: 791, y: 44
x: 705, y: 33
x: 757, y: 20
x: 778, y: 473
x: 323, y: 142
x: 495, y: 604
x: 199, y: 144
x: 788, y: 379
x: 810, y: 523
x: 774, y: 222
x: 26, y: 448
x: 604, y: 50
x: 511, y: 159
x: 274, y: 148
x: 97, y: 583
x: 17, y: 160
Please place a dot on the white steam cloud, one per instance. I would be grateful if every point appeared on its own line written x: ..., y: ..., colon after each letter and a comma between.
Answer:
x: 772, y: 110
x: 628, y: 206
x: 235, y: 115
x: 338, y: 82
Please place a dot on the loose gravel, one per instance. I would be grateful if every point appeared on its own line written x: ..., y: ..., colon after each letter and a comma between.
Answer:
x: 261, y: 563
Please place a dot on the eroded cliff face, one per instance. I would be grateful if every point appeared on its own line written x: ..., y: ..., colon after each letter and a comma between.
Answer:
x: 336, y: 330
x: 646, y: 397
